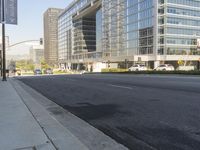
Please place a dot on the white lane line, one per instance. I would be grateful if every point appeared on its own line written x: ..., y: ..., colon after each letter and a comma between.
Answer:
x: 72, y: 80
x: 119, y: 86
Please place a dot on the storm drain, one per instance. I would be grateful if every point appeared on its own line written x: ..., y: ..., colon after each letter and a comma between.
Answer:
x: 27, y: 148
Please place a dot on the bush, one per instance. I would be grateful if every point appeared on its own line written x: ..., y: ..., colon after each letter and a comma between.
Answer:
x: 125, y: 71
x: 168, y: 72
x: 59, y: 72
x: 114, y: 70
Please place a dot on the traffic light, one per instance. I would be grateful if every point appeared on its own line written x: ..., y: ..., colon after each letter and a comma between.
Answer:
x: 41, y: 41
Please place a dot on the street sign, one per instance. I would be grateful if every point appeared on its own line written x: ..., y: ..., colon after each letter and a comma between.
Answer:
x: 180, y: 62
x: 10, y: 11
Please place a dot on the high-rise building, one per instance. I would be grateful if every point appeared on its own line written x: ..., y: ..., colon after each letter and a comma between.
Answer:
x: 37, y: 54
x: 151, y: 32
x: 50, y: 35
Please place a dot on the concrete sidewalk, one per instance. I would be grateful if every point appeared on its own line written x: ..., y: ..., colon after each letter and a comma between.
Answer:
x: 18, y: 128
x: 29, y: 121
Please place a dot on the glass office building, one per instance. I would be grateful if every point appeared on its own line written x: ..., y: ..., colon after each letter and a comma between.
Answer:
x: 179, y: 28
x: 137, y: 31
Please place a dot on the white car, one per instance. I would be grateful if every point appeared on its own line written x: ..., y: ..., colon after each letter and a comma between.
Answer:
x: 165, y: 67
x: 138, y: 67
x: 83, y: 72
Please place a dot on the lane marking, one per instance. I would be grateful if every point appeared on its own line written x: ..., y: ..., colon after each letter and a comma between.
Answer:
x: 119, y: 86
x: 72, y: 80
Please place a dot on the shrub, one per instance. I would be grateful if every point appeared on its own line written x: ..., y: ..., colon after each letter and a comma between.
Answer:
x: 114, y: 70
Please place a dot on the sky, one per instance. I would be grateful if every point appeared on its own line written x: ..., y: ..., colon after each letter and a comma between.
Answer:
x: 30, y: 21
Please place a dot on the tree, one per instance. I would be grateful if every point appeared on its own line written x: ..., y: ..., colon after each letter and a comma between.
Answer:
x: 26, y: 65
x: 44, y: 65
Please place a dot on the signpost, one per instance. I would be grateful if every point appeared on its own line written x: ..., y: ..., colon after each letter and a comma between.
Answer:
x: 8, y: 10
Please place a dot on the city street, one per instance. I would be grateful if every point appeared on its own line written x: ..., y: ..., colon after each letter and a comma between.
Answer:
x: 142, y: 112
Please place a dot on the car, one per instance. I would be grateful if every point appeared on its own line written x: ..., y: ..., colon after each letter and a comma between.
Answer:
x: 138, y: 67
x: 49, y: 71
x: 83, y: 71
x: 165, y: 67
x: 37, y: 72
x: 18, y: 72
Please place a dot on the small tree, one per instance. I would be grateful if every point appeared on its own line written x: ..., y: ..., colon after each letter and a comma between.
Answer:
x: 21, y: 64
x: 25, y: 65
x: 44, y: 65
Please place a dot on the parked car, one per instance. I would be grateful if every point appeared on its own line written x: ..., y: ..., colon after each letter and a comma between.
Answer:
x: 18, y: 72
x: 37, y: 72
x: 138, y: 67
x: 49, y: 71
x: 165, y: 67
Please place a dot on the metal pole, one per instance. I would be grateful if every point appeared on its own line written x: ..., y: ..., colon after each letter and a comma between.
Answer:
x: 1, y: 61
x: 3, y: 42
x: 1, y: 57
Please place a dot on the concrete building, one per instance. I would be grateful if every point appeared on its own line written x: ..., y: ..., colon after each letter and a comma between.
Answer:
x: 37, y: 54
x: 104, y: 32
x: 50, y: 35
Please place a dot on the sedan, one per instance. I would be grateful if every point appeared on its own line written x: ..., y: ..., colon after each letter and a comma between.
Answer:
x: 138, y: 67
x: 165, y: 67
x: 37, y: 72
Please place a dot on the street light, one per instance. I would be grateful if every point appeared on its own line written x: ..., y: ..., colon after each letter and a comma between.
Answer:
x: 3, y: 42
x: 2, y: 56
x: 8, y: 16
x: 27, y: 41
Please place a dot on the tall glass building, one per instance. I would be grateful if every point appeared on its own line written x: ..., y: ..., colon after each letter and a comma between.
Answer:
x: 134, y: 31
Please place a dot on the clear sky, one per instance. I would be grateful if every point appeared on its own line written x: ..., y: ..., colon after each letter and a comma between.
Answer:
x: 30, y: 19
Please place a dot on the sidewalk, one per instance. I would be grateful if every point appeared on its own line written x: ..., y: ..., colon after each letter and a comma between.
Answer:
x: 18, y: 128
x: 30, y: 121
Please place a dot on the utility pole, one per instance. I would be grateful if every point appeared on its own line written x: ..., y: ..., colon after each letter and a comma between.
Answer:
x: 3, y: 42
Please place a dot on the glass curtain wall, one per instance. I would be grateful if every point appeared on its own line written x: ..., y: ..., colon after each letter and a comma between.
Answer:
x: 145, y: 9
x: 84, y: 35
x: 114, y: 21
x: 99, y: 30
x: 181, y: 31
x: 65, y: 29
x: 127, y: 27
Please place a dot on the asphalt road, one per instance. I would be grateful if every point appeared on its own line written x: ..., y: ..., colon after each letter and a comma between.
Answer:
x: 140, y: 111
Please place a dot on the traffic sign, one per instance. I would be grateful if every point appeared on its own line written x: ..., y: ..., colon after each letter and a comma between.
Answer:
x: 10, y: 12
x: 180, y: 62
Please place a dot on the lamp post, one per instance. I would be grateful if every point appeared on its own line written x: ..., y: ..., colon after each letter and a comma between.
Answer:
x: 3, y: 43
x: 3, y: 58
x: 1, y: 61
x: 8, y: 16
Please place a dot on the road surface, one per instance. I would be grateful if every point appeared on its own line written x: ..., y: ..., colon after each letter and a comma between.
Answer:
x: 142, y: 112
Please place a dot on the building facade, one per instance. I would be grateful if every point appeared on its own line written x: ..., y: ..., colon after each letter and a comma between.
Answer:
x: 51, y: 35
x: 129, y: 31
x: 37, y: 54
